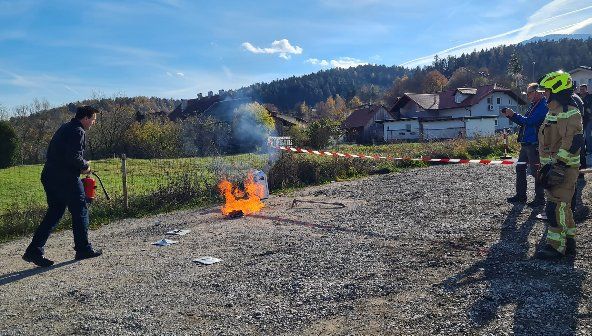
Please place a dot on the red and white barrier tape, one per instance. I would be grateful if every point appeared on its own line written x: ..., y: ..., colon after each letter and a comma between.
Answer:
x: 379, y: 157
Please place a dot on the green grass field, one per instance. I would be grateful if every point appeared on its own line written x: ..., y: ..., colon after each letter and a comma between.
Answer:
x: 159, y: 185
x: 21, y: 187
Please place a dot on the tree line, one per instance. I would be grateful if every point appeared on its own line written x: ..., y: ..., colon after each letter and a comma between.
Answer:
x: 139, y: 126
x: 509, y: 66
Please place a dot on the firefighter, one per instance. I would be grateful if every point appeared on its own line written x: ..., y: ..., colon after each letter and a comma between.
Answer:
x: 560, y: 142
x: 61, y: 180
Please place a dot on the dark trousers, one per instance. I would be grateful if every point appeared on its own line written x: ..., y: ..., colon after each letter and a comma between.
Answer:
x: 60, y: 195
x: 528, y: 153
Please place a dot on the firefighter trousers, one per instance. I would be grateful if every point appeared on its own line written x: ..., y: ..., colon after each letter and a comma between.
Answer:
x: 559, y: 213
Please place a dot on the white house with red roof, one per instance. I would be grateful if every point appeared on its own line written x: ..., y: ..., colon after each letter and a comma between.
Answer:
x: 461, y: 112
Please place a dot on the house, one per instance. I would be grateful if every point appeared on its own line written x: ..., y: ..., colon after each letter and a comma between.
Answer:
x: 464, y: 112
x: 283, y: 122
x: 581, y: 75
x: 365, y: 124
x: 220, y: 106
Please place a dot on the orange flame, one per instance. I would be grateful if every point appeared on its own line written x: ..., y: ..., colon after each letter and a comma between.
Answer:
x: 247, y: 201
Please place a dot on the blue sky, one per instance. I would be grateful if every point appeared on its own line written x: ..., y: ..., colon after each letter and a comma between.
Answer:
x: 64, y: 50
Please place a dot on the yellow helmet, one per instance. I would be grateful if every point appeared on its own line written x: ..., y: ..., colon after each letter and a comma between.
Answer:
x: 556, y: 81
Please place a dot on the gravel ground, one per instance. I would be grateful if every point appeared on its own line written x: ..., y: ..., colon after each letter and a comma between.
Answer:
x: 434, y: 251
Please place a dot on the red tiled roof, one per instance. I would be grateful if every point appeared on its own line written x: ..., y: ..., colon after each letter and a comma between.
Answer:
x: 361, y: 116
x: 445, y: 99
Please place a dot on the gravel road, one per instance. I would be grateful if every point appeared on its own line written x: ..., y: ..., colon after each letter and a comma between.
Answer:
x: 433, y: 251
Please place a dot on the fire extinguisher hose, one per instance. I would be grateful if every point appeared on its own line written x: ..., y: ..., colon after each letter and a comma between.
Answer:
x: 102, y: 186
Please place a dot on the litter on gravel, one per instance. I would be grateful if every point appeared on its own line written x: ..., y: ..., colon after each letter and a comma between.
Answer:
x: 165, y: 242
x: 178, y: 232
x: 207, y: 260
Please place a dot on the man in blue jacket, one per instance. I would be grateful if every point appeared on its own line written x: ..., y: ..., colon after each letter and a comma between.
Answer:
x: 528, y: 138
x: 61, y: 180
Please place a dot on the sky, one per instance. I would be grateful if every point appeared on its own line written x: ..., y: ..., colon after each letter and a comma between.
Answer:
x: 70, y: 50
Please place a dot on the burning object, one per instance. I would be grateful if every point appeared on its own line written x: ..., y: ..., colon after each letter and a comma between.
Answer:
x: 241, y: 202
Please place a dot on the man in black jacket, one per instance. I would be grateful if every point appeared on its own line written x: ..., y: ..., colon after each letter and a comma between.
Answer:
x: 587, y: 105
x: 63, y: 188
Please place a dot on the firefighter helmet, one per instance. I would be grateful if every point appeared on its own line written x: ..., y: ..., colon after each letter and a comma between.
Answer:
x: 556, y: 81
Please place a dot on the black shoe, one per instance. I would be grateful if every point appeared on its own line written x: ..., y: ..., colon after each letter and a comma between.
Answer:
x: 549, y: 253
x: 536, y: 202
x: 570, y: 247
x: 38, y: 260
x: 88, y: 254
x: 517, y: 199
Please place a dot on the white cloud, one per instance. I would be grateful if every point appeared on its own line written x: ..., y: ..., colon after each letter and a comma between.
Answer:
x: 342, y: 62
x: 71, y: 90
x: 176, y: 74
x: 315, y: 61
x: 553, y: 18
x: 281, y: 47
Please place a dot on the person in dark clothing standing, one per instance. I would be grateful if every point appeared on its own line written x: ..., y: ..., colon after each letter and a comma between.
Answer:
x: 528, y: 138
x: 63, y: 188
x: 586, y: 157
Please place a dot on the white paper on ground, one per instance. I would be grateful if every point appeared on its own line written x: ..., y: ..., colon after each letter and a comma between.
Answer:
x: 164, y: 242
x: 207, y: 260
x: 178, y: 232
x: 541, y: 216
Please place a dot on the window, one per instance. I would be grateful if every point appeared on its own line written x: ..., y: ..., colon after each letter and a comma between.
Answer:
x: 509, y: 101
x: 408, y: 126
x: 498, y: 100
x: 495, y: 122
x: 489, y: 100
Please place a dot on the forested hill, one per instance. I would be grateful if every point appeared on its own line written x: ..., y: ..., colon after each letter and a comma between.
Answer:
x: 371, y: 82
x: 364, y: 80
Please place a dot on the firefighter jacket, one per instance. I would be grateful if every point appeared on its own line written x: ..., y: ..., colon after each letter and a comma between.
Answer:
x: 65, y: 153
x: 560, y: 136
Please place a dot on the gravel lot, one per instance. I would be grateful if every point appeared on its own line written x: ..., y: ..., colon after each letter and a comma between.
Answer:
x: 434, y: 251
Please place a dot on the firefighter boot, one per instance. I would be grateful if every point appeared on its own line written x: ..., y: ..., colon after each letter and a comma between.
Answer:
x: 548, y: 253
x: 570, y: 247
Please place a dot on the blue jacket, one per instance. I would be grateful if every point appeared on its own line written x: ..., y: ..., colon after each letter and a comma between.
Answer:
x: 531, y: 121
x: 65, y: 154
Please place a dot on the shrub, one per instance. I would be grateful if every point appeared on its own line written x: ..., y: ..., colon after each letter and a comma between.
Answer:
x: 8, y: 144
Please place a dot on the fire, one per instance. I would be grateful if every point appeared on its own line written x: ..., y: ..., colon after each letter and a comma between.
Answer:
x: 247, y: 201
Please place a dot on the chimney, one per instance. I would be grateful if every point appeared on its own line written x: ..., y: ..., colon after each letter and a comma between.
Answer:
x: 199, y: 96
x: 210, y: 93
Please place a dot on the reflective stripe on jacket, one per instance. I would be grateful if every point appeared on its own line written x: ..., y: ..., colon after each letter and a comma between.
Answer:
x: 560, y: 136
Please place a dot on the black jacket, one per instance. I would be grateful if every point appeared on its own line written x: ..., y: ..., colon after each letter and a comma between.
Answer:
x: 65, y: 153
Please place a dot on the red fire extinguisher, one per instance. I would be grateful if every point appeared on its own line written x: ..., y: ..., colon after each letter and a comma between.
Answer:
x: 90, y: 187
